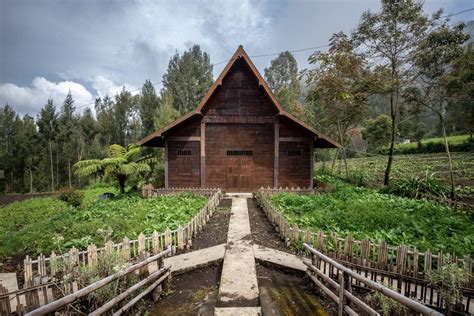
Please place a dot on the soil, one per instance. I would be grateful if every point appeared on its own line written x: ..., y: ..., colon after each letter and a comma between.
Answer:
x: 290, y: 293
x: 215, y: 231
x: 10, y: 198
x: 191, y: 293
x: 263, y: 232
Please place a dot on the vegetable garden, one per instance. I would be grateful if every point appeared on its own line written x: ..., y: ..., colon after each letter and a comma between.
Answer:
x: 41, y: 225
x: 366, y: 213
x: 371, y: 169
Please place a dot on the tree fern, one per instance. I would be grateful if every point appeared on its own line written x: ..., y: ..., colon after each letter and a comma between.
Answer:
x: 121, y: 164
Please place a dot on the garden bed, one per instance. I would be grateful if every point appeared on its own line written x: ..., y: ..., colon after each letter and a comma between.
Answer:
x: 365, y: 213
x: 43, y: 225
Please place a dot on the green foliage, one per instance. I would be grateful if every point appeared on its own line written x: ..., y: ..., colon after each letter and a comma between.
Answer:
x: 71, y: 197
x: 371, y: 168
x: 418, y: 187
x: 458, y: 143
x: 188, y: 78
x: 365, y: 213
x: 121, y: 164
x: 387, y: 305
x: 29, y: 227
x: 282, y: 78
x: 448, y: 280
x: 377, y: 132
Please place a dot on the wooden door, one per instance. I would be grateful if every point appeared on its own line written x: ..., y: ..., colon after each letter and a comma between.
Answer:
x: 239, y: 171
x: 233, y: 173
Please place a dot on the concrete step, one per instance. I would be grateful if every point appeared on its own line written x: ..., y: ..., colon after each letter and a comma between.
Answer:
x: 237, y: 311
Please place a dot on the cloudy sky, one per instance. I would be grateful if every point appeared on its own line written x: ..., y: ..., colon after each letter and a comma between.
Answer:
x: 93, y: 48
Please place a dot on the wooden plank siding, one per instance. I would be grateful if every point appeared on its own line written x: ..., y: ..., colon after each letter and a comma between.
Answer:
x: 184, y: 179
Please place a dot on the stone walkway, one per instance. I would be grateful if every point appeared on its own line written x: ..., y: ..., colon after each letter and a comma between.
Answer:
x: 238, y: 291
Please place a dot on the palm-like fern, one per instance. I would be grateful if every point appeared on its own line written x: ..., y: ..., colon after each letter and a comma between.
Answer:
x: 121, y: 163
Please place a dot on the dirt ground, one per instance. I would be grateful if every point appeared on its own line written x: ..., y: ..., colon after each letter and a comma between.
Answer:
x: 215, y: 231
x: 10, y: 198
x: 191, y: 293
x: 263, y: 233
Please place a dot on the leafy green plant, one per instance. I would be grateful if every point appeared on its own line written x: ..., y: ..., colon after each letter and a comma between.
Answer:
x: 29, y: 227
x: 367, y: 213
x: 120, y: 164
x: 418, y: 187
x: 448, y: 279
x: 71, y: 197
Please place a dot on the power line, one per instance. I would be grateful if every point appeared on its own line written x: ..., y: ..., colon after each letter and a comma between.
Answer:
x: 275, y: 54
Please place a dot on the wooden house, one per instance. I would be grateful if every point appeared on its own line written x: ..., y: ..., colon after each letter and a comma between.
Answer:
x: 238, y: 138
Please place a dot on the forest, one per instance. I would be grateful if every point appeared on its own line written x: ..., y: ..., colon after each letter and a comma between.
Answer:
x: 400, y: 75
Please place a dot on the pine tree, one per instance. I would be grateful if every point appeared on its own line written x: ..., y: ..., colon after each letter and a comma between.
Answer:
x: 48, y: 129
x: 149, y: 102
x: 188, y: 78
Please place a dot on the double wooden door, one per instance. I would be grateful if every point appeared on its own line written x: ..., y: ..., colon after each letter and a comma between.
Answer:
x: 240, y: 171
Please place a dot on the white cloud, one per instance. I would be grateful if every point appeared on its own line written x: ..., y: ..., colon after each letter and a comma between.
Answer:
x: 32, y: 99
x: 105, y: 86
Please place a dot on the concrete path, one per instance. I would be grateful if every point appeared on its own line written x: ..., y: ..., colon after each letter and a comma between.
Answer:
x: 238, y: 291
x: 191, y: 260
x: 279, y: 258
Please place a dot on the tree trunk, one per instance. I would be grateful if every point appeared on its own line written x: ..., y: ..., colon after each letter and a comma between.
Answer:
x: 51, y: 165
x: 386, y: 180
x: 450, y: 163
x: 121, y: 181
x: 334, y: 160
x: 69, y: 173
x: 57, y: 165
x: 343, y: 149
x: 31, y: 180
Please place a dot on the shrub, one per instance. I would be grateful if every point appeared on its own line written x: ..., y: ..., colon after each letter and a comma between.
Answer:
x: 449, y: 279
x: 71, y: 197
x: 387, y: 305
x: 417, y: 187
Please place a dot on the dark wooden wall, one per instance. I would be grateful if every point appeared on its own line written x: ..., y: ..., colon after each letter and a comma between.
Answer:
x: 255, y: 137
x: 289, y: 163
x: 175, y: 164
x: 240, y: 94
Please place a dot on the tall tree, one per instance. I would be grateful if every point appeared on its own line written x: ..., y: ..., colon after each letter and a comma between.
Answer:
x: 389, y: 37
x: 165, y: 113
x: 149, y: 102
x: 104, y: 109
x: 27, y: 149
x: 125, y: 105
x: 282, y: 78
x: 460, y: 88
x: 338, y: 86
x: 48, y: 128
x: 66, y: 130
x: 188, y: 78
x: 434, y: 60
x: 8, y: 118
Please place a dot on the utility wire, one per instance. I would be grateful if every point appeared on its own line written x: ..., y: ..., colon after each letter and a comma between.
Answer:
x: 275, y: 54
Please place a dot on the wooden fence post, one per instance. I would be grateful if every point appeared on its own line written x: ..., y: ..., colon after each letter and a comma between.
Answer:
x: 180, y: 237
x: 126, y: 248
x: 141, y: 245
x: 28, y: 271
x: 341, y: 293
x: 168, y: 239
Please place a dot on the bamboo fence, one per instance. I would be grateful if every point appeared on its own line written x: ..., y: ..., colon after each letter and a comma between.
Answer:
x: 39, y: 274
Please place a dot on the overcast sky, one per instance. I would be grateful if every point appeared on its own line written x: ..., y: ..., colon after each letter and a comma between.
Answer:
x: 93, y: 48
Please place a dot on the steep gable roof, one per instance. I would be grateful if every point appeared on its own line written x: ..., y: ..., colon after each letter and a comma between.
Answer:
x: 240, y: 53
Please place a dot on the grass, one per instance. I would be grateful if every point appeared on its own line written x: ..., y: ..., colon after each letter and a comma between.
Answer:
x: 452, y: 140
x: 365, y: 213
x: 31, y: 226
x: 372, y: 168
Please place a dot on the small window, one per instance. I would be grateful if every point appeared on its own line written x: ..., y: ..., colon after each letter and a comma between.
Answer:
x: 294, y: 162
x: 184, y: 152
x: 184, y: 162
x: 239, y: 153
x: 294, y: 153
